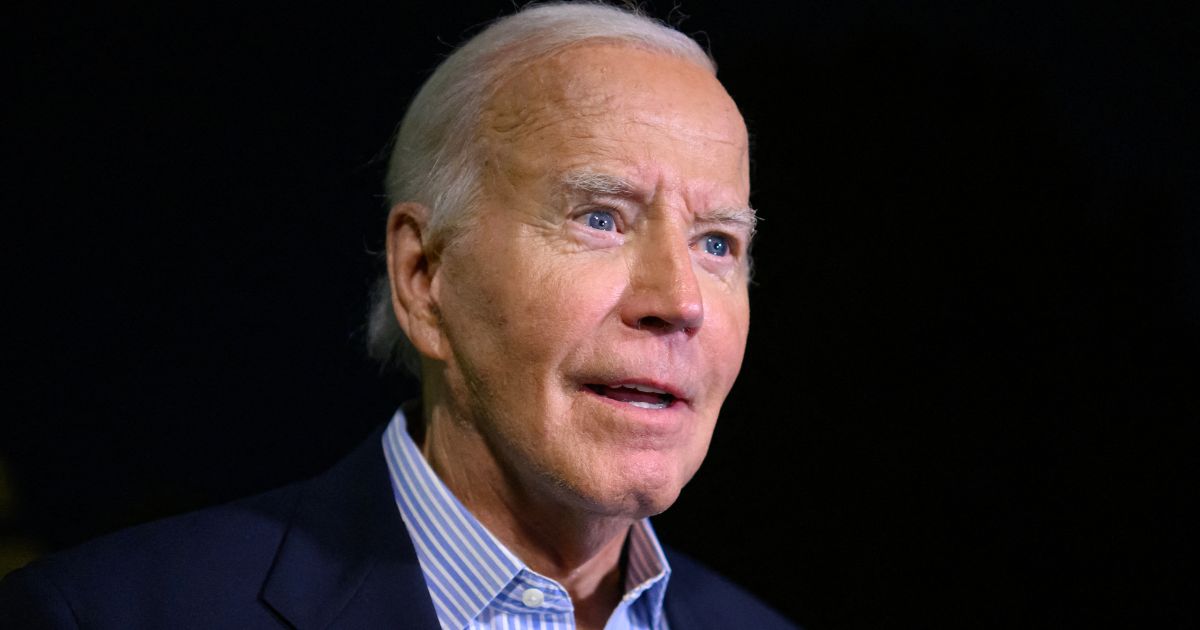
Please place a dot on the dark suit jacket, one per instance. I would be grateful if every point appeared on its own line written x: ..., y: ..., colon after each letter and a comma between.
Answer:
x: 331, y: 552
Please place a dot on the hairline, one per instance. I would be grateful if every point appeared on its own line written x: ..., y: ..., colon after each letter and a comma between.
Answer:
x: 433, y: 164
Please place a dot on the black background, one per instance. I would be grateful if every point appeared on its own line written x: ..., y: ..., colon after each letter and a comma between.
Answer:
x: 967, y: 398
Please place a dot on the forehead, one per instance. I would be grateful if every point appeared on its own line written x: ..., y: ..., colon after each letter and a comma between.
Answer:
x: 604, y: 100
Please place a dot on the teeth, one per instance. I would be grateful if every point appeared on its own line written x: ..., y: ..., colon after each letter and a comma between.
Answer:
x: 643, y: 388
x: 646, y: 405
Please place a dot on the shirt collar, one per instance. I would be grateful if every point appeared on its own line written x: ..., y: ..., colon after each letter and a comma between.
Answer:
x: 468, y: 570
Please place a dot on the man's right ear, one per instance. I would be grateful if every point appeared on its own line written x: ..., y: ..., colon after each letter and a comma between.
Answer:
x: 410, y: 273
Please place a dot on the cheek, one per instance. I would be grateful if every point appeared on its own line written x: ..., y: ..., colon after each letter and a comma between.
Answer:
x: 529, y: 306
x: 564, y: 299
x: 728, y: 317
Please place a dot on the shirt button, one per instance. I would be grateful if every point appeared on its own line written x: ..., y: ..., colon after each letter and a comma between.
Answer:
x: 532, y: 597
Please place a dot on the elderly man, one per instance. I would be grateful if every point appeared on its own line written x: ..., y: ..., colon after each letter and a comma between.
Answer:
x: 567, y: 268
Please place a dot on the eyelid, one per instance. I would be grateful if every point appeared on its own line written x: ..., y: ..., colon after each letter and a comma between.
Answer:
x: 587, y: 209
x: 734, y: 241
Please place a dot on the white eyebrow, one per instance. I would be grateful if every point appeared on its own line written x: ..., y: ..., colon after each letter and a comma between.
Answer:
x: 598, y: 183
x: 743, y: 217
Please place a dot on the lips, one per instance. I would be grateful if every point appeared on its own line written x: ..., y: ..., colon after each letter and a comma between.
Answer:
x: 635, y: 394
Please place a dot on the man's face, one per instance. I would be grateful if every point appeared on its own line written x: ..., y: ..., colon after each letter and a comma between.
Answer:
x: 609, y: 254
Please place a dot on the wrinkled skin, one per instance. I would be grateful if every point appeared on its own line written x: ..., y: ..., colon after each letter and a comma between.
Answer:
x: 534, y: 302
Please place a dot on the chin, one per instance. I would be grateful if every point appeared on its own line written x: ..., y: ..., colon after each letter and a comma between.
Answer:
x: 651, y: 504
x: 640, y: 489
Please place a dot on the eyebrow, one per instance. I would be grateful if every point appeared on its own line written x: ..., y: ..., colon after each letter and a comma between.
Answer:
x: 598, y: 183
x: 743, y: 217
x: 591, y: 182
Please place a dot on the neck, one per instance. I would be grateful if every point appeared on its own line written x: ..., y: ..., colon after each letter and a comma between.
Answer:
x: 580, y: 550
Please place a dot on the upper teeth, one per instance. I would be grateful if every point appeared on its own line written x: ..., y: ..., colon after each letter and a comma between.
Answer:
x: 643, y: 388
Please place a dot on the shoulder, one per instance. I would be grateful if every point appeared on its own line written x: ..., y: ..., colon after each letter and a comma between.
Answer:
x: 700, y: 597
x: 158, y: 573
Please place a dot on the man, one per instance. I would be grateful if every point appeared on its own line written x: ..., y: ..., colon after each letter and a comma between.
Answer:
x: 567, y: 269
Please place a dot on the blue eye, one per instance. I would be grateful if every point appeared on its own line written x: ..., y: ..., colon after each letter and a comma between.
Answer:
x: 716, y: 245
x: 601, y: 220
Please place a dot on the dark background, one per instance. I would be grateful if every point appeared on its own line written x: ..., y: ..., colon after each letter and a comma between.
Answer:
x: 968, y: 397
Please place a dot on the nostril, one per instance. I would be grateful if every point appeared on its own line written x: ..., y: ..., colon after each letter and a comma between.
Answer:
x: 653, y: 323
x: 652, y: 305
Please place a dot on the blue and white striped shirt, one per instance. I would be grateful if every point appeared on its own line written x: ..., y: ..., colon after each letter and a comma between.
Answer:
x: 475, y: 582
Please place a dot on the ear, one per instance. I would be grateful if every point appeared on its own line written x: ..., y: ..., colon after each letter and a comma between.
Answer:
x: 410, y: 274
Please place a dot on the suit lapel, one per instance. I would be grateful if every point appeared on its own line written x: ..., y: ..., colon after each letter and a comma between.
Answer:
x: 679, y: 615
x: 346, y: 560
x: 686, y: 597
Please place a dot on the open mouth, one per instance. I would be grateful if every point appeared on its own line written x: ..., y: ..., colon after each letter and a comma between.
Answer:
x: 641, y: 396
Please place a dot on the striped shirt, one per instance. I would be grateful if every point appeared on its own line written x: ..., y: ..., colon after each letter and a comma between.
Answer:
x: 476, y: 582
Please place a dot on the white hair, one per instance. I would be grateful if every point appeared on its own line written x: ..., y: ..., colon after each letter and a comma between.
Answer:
x: 436, y: 158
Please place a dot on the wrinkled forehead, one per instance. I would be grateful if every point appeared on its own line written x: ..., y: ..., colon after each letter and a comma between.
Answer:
x: 616, y: 84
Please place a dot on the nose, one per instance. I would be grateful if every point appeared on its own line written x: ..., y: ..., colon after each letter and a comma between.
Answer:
x: 663, y: 293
